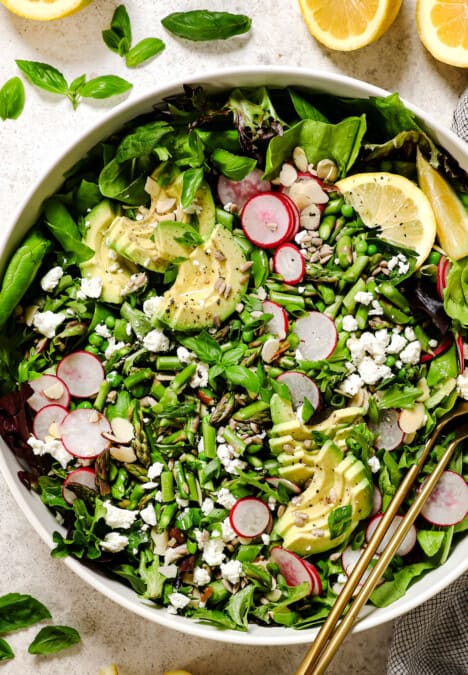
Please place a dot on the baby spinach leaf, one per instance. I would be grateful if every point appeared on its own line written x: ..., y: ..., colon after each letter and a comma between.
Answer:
x: 142, y: 140
x: 304, y: 109
x: 11, y: 99
x: 202, y: 24
x: 215, y: 617
x: 52, y: 639
x: 339, y: 520
x: 397, y: 396
x: 239, y: 606
x: 6, y: 651
x: 144, y: 50
x: 234, y: 167
x: 19, y: 611
x: 390, y: 591
x: 44, y: 76
x: 118, y: 181
x: 191, y: 181
x: 105, y: 86
x: 65, y: 230
x: 430, y: 541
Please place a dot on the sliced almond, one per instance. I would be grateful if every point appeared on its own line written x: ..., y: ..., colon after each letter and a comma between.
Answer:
x: 288, y: 175
x: 54, y: 392
x: 300, y: 158
x: 123, y: 429
x: 412, y: 419
x: 123, y: 453
x: 270, y: 349
x: 165, y: 205
x: 54, y: 431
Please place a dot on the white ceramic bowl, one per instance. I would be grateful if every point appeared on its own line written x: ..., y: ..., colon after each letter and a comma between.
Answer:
x: 42, y: 520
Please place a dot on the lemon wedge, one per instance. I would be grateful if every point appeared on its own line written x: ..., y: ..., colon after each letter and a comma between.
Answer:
x: 443, y: 28
x: 396, y: 205
x: 44, y: 10
x: 347, y: 24
x: 450, y: 214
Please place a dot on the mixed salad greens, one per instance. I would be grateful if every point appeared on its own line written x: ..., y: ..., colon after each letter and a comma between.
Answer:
x: 215, y: 372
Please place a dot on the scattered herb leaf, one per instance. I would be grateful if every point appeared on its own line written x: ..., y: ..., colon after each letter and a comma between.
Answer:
x: 6, y: 651
x: 104, y: 86
x: 201, y: 24
x: 52, y: 639
x: 11, y: 99
x: 144, y: 50
x: 19, y: 611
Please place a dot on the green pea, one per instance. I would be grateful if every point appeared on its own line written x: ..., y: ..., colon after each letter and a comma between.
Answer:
x: 103, y: 346
x: 347, y: 211
x: 372, y: 249
x: 91, y: 349
x: 114, y: 378
x: 110, y: 321
x: 434, y: 258
x: 84, y: 404
x: 95, y: 340
x: 390, y: 361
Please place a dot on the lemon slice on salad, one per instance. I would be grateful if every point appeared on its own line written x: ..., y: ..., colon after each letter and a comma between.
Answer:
x: 396, y: 205
x: 347, y: 24
x: 443, y: 28
x: 44, y: 10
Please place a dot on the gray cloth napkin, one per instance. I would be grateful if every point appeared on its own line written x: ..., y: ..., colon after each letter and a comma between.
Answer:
x: 433, y: 638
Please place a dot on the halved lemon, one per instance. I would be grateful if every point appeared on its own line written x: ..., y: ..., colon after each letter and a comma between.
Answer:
x: 450, y: 214
x: 396, y: 205
x: 443, y: 28
x: 346, y: 24
x: 44, y: 10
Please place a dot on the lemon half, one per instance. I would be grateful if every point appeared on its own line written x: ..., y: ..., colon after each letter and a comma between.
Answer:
x: 44, y: 10
x: 443, y: 28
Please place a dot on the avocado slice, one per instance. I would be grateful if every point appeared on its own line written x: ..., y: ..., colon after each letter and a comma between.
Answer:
x: 194, y: 300
x: 112, y: 269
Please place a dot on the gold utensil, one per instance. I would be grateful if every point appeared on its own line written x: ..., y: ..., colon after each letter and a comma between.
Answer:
x: 320, y: 653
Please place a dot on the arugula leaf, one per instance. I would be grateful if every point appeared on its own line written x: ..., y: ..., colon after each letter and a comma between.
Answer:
x: 104, y: 86
x: 44, y: 76
x: 244, y: 377
x: 234, y: 167
x: 144, y: 50
x: 6, y: 651
x: 191, y: 181
x: 201, y: 24
x: 19, y: 611
x: 339, y: 520
x: 142, y: 140
x: 204, y: 346
x: 52, y: 639
x: 11, y: 99
x: 397, y: 396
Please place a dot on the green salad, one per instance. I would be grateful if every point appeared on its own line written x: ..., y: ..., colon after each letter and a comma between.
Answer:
x: 226, y: 339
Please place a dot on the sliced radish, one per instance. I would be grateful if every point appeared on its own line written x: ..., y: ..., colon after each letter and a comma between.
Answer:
x: 294, y: 569
x: 301, y: 387
x: 267, y: 219
x: 445, y: 344
x: 46, y: 419
x: 82, y: 372
x: 412, y: 419
x: 48, y: 390
x: 314, y: 573
x: 376, y: 501
x: 83, y: 476
x: 296, y: 223
x: 278, y: 325
x: 276, y: 481
x: 389, y: 433
x: 349, y: 560
x: 82, y: 433
x: 443, y: 267
x: 249, y: 517
x: 448, y: 502
x: 318, y: 336
x: 460, y: 353
x: 406, y: 545
x: 290, y: 263
x: 238, y: 192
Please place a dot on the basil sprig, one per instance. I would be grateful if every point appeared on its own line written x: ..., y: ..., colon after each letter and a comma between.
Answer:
x: 119, y: 40
x: 50, y: 79
x: 52, y: 639
x: 201, y: 24
x: 11, y: 99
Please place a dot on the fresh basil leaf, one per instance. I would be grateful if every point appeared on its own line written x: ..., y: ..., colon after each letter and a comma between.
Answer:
x: 19, y: 611
x: 190, y: 236
x: 87, y: 196
x: 118, y: 181
x: 339, y: 520
x: 120, y: 23
x: 204, y: 346
x: 6, y: 651
x: 11, y: 99
x: 307, y: 410
x: 44, y: 76
x: 191, y: 181
x: 234, y: 355
x: 234, y: 167
x: 65, y: 230
x: 244, y: 377
x: 105, y: 86
x: 239, y: 605
x: 52, y: 639
x: 77, y: 83
x: 142, y: 140
x: 304, y: 109
x: 112, y: 40
x: 144, y: 50
x: 202, y: 24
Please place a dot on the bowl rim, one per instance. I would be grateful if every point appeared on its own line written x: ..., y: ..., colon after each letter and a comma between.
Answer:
x: 26, y: 214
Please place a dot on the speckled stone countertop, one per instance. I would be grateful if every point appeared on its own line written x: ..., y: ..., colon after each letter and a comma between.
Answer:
x: 396, y: 62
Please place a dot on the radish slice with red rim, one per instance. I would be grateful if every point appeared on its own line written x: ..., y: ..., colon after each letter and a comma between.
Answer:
x: 267, y: 219
x: 238, y: 192
x: 301, y: 387
x: 460, y: 353
x: 406, y: 545
x: 293, y: 568
x: 445, y: 344
x: 276, y: 481
x: 82, y: 372
x: 349, y: 560
x: 448, y: 502
x: 314, y: 573
x: 296, y: 222
x: 249, y: 517
x: 317, y: 335
x: 389, y: 433
x: 46, y: 417
x: 376, y: 501
x: 48, y: 390
x: 83, y: 476
x: 82, y: 433
x: 443, y: 267
x: 289, y: 263
x: 278, y: 325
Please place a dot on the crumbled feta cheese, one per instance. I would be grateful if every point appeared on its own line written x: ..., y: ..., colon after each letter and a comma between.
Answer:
x: 462, y: 385
x: 201, y: 576
x: 150, y: 306
x: 150, y: 485
x: 213, y: 552
x: 374, y: 464
x: 200, y: 377
x: 46, y: 322
x: 261, y: 293
x: 207, y: 506
x: 50, y: 280
x: 155, y: 470
x: 397, y: 343
x: 91, y: 288
x: 410, y: 335
x: 400, y: 263
x: 156, y: 341
x: 298, y: 355
x: 178, y: 600
x: 114, y: 542
x: 352, y: 384
x: 135, y: 282
x: 432, y: 344
x: 349, y: 323
x: 169, y: 571
x: 266, y: 539
x: 232, y: 571
x: 364, y: 297
x: 342, y: 578
x: 225, y: 498
x: 227, y: 533
x: 182, y: 502
x: 116, y: 517
x: 371, y: 372
x: 112, y: 347
x: 102, y: 330
x: 51, y: 447
x: 201, y: 537
x: 377, y: 309
x: 411, y: 353
x: 148, y: 515
x: 184, y: 355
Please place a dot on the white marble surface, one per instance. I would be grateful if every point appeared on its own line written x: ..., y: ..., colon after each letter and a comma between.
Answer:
x: 27, y: 146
